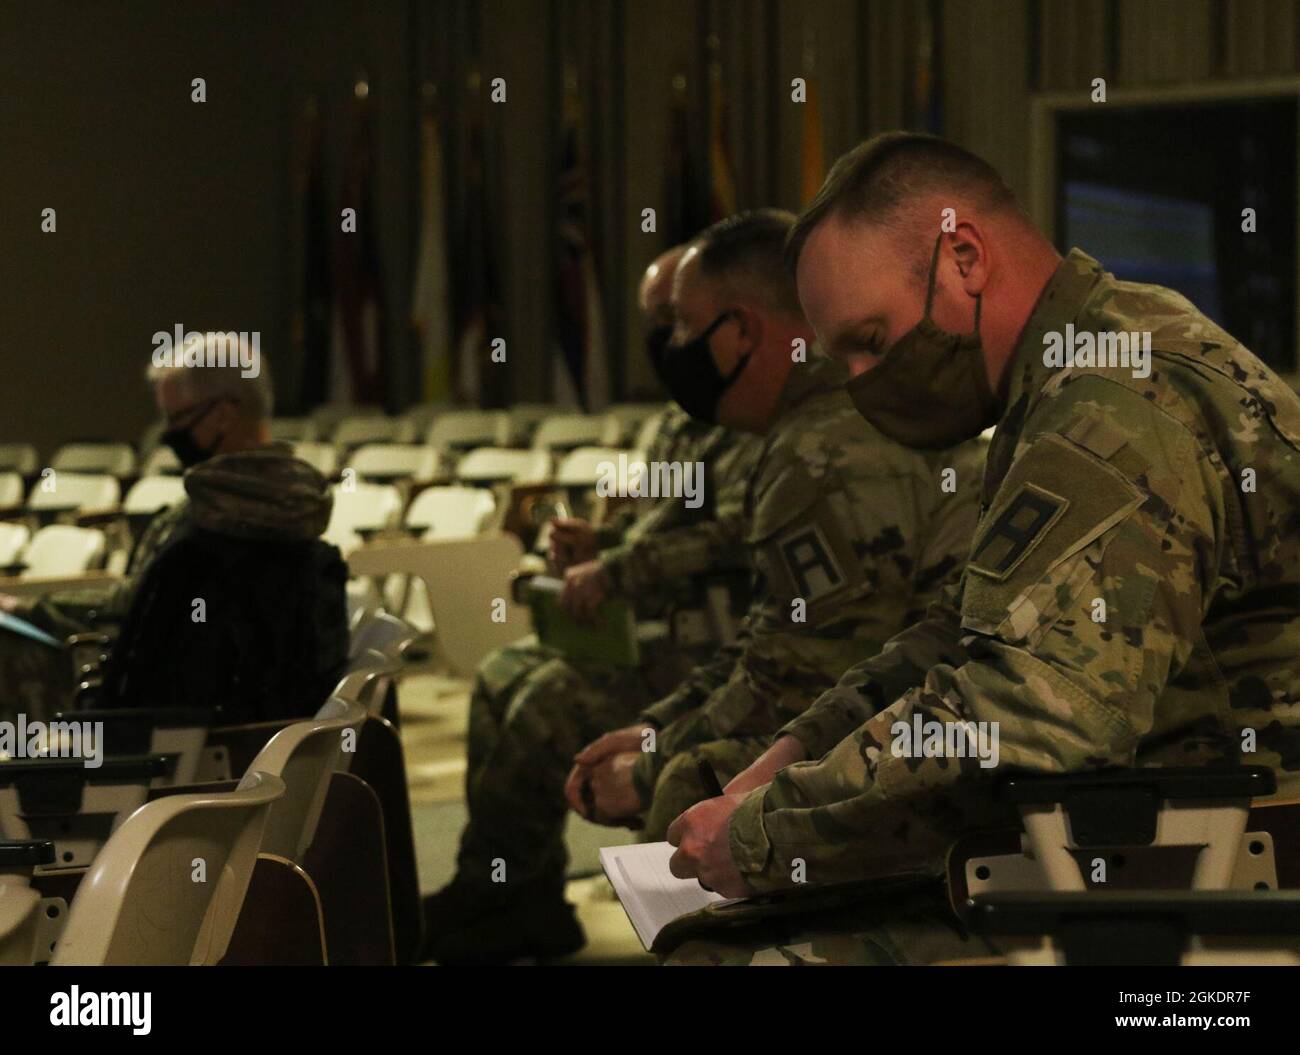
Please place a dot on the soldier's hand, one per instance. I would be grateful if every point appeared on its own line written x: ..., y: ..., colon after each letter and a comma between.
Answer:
x: 629, y: 738
x: 701, y: 836
x: 572, y: 541
x: 8, y: 602
x: 586, y: 585
x: 786, y: 751
x: 613, y: 792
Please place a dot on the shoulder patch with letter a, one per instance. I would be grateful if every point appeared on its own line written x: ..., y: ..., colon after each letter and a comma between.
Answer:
x: 1009, y: 539
x: 811, y: 563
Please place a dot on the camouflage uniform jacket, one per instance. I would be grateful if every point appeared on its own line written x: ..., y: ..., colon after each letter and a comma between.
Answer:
x: 1131, y: 597
x: 851, y: 536
x: 649, y: 556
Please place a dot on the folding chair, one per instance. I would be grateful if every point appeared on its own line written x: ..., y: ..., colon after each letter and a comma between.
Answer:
x: 323, y: 457
x: 30, y: 924
x: 13, y: 538
x: 326, y: 418
x: 60, y: 492
x: 1156, y: 852
x: 11, y: 489
x: 140, y: 904
x: 583, y: 466
x: 563, y: 432
x: 524, y: 420
x: 461, y: 430
x: 293, y: 430
x: 450, y: 512
x: 420, y: 416
x: 360, y: 509
x: 113, y: 459
x: 388, y: 462
x: 61, y: 550
x: 19, y: 458
x: 150, y: 494
x: 489, y: 465
x: 161, y: 461
x: 355, y: 431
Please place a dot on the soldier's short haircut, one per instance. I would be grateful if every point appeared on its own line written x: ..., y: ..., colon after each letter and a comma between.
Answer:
x: 255, y: 396
x: 877, y: 181
x: 743, y: 253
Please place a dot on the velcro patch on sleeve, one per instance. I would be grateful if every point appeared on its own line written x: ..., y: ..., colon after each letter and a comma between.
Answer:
x: 1056, y: 499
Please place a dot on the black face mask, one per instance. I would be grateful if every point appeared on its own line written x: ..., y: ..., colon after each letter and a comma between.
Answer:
x: 182, y: 443
x: 692, y: 376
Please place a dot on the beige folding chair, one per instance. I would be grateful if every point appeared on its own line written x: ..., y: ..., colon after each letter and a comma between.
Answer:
x: 563, y: 432
x: 384, y: 462
x: 144, y: 900
x: 585, y: 465
x: 114, y: 459
x: 525, y: 418
x: 422, y: 415
x: 460, y: 430
x: 83, y: 492
x: 11, y: 489
x: 360, y: 508
x: 323, y: 457
x: 152, y: 493
x: 19, y: 458
x: 13, y: 537
x: 293, y: 430
x: 373, y: 428
x: 486, y: 465
x: 451, y: 512
x: 325, y: 419
x: 61, y: 550
x: 304, y: 755
x: 161, y: 461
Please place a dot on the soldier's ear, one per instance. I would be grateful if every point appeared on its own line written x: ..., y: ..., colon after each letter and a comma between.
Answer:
x: 749, y: 326
x: 970, y: 253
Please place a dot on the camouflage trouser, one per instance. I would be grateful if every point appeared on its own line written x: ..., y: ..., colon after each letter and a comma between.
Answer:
x: 900, y: 930
x: 531, y: 712
x: 680, y: 786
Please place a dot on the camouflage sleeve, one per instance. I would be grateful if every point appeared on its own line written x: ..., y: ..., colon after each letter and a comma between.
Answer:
x: 1084, y: 591
x: 701, y: 682
x: 654, y: 558
x: 874, y: 683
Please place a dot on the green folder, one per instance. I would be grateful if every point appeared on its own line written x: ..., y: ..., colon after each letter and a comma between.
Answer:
x: 610, y: 639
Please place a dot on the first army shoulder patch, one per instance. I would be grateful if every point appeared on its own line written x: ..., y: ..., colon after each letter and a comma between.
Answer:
x: 811, y: 564
x: 1016, y: 530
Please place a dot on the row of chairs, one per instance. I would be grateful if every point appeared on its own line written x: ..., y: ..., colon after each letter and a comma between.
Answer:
x: 157, y: 857
x: 389, y: 487
x: 444, y: 432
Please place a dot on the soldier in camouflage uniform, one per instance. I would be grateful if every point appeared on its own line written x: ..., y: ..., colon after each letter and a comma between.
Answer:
x: 1131, y: 596
x: 212, y: 413
x: 852, y: 536
x: 532, y: 709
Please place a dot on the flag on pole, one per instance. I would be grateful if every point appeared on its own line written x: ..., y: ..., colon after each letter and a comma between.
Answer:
x: 311, y: 323
x: 361, y: 316
x: 475, y: 286
x: 722, y: 179
x: 685, y: 213
x: 581, y: 320
x: 812, y: 157
x: 430, y: 299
